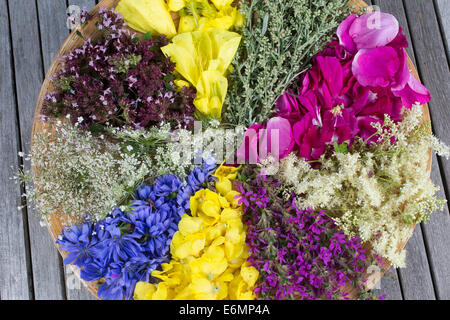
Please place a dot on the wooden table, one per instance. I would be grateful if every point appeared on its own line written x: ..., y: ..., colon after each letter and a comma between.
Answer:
x: 31, y: 33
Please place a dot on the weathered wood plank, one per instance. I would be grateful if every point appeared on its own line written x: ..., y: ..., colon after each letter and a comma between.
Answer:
x: 443, y: 10
x: 437, y: 239
x: 52, y: 26
x: 88, y: 4
x: 47, y: 271
x: 75, y: 289
x: 433, y: 68
x: 389, y: 286
x: 415, y: 279
x: 14, y: 281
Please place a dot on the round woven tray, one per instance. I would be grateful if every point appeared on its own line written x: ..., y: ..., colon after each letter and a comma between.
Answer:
x: 56, y: 222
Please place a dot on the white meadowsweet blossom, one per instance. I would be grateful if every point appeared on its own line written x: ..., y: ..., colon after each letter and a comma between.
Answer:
x: 378, y: 192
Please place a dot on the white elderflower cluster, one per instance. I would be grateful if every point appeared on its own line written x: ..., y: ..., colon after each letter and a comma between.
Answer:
x: 378, y: 192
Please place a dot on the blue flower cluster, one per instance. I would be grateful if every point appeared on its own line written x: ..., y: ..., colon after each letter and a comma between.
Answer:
x: 127, y: 246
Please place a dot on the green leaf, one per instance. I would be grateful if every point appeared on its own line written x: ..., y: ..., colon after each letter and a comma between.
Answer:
x: 265, y: 25
x: 78, y: 33
x: 96, y: 128
x: 147, y: 36
x: 343, y: 148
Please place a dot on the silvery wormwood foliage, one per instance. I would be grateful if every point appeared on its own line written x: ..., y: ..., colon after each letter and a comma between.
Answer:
x: 280, y: 37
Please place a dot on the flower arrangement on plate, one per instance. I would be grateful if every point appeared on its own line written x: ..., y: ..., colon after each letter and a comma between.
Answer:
x: 221, y: 149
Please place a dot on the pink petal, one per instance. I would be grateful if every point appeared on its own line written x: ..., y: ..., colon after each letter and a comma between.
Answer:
x: 413, y: 92
x: 248, y: 151
x: 373, y: 30
x: 282, y: 146
x: 345, y: 39
x: 402, y: 76
x: 365, y: 128
x: 332, y: 73
x: 287, y: 105
x: 300, y: 128
x: 400, y: 40
x: 376, y: 67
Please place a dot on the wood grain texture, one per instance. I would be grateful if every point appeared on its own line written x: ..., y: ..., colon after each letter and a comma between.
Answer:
x: 390, y: 286
x: 416, y: 278
x: 443, y: 11
x: 433, y: 66
x: 436, y: 233
x: 47, y: 276
x: 14, y: 277
x: 74, y: 41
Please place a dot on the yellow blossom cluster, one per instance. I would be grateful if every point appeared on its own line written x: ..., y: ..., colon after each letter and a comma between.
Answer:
x: 156, y: 16
x: 209, y: 254
x: 203, y: 58
x: 203, y: 49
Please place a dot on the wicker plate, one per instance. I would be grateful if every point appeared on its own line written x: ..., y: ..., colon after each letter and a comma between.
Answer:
x: 55, y: 225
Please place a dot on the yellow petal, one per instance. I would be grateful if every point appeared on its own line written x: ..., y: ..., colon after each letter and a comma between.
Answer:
x: 144, y: 291
x: 187, y: 24
x: 189, y: 224
x: 147, y: 15
x: 233, y: 198
x: 250, y: 275
x: 226, y: 172
x: 230, y: 214
x: 224, y: 186
x: 176, y: 5
x: 222, y: 3
x: 203, y: 289
x: 183, y: 52
x: 161, y: 292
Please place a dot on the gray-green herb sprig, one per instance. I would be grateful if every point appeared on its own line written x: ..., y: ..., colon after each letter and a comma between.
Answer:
x: 280, y: 37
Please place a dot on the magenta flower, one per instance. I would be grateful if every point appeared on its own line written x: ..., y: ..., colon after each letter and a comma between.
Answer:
x: 352, y: 84
x: 371, y: 30
x: 275, y: 139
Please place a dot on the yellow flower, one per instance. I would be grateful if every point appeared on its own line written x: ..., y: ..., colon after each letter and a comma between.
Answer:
x: 233, y: 198
x: 211, y: 91
x: 144, y: 291
x: 211, y: 264
x: 239, y: 289
x: 224, y: 186
x: 181, y: 84
x: 147, y: 16
x: 191, y: 245
x: 207, y: 205
x: 249, y: 274
x: 188, y: 225
x: 219, y: 22
x: 187, y: 24
x: 222, y: 3
x: 225, y: 19
x: 203, y: 289
x: 202, y: 58
x: 176, y: 5
x: 226, y: 172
